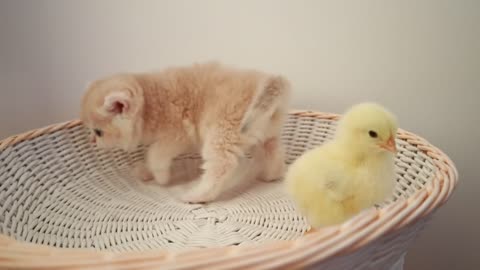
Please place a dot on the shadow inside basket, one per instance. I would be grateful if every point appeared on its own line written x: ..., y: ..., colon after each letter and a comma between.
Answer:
x: 59, y: 190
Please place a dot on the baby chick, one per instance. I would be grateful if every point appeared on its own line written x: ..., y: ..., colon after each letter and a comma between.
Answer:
x: 352, y: 172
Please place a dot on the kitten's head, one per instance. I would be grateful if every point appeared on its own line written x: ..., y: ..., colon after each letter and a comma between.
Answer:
x: 111, y: 109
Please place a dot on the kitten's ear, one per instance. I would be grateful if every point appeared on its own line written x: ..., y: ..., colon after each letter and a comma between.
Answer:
x: 117, y: 102
x: 88, y: 84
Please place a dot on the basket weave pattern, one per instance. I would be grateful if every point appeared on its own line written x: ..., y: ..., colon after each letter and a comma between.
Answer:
x: 59, y: 193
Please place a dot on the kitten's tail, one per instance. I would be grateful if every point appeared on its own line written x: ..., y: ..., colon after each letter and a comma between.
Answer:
x: 271, y: 99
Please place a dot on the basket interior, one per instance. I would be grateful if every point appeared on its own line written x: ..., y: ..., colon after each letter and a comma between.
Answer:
x: 59, y: 190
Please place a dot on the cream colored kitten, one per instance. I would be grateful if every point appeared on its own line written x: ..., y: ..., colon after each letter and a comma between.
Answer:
x: 218, y: 111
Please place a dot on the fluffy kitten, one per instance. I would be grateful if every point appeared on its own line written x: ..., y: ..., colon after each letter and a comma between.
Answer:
x: 218, y: 111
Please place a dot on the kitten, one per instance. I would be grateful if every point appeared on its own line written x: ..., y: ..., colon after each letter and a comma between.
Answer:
x: 218, y: 111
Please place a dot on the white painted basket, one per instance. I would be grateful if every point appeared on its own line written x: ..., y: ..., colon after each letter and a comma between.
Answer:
x: 66, y: 205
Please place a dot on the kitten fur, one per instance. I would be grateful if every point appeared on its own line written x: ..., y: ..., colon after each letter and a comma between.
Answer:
x: 218, y: 111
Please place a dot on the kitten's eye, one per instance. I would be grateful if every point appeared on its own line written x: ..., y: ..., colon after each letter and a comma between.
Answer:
x: 98, y: 132
x: 373, y: 134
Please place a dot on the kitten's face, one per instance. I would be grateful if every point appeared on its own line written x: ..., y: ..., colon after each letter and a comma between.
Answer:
x: 106, y: 132
x: 108, y: 111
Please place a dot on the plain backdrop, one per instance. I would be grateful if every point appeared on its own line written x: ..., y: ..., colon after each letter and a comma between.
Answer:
x: 421, y: 59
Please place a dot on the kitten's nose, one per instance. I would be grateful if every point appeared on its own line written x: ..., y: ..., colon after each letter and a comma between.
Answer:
x: 93, y: 139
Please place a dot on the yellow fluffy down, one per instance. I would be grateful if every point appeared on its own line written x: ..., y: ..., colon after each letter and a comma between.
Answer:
x: 336, y: 181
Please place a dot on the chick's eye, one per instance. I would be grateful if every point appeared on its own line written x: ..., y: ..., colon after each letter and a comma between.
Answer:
x: 373, y: 134
x: 98, y: 132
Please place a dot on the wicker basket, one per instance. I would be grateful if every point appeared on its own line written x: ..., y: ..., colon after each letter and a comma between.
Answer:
x: 66, y: 205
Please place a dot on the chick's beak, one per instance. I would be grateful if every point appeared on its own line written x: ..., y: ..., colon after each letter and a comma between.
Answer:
x: 390, y: 145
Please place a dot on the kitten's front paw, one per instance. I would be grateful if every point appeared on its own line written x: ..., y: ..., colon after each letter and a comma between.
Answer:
x: 195, y: 196
x: 162, y: 178
x: 141, y: 172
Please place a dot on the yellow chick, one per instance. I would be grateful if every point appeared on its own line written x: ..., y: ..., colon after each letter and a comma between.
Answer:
x: 354, y: 171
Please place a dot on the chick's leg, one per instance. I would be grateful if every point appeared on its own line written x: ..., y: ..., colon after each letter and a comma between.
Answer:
x: 221, y: 153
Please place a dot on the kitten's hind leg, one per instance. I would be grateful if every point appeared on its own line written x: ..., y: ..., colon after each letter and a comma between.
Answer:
x: 271, y: 156
x: 265, y: 119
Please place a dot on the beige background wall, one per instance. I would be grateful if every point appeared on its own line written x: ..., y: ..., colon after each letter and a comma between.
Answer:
x: 419, y: 58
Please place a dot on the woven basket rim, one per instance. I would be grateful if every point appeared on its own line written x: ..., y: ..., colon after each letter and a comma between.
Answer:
x: 313, y: 247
